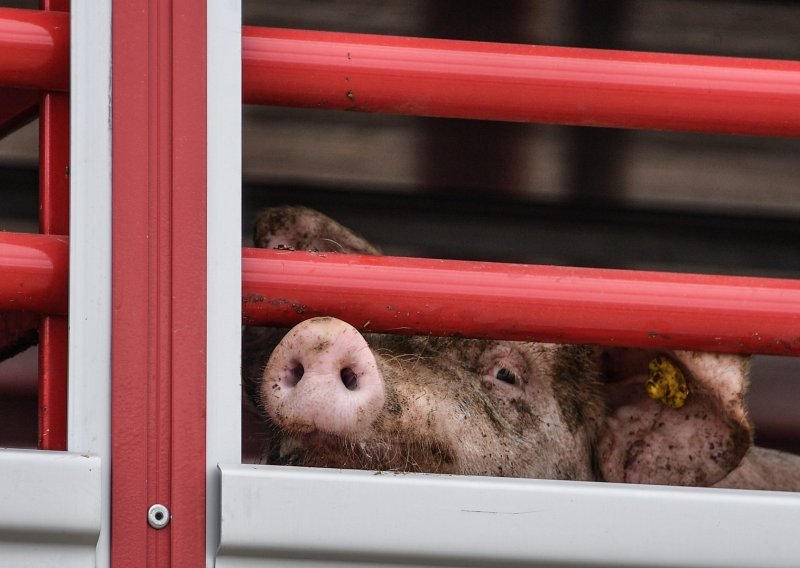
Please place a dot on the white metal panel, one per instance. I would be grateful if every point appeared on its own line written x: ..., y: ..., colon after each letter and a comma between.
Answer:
x: 50, y: 508
x: 223, y: 418
x: 89, y: 405
x: 315, y: 517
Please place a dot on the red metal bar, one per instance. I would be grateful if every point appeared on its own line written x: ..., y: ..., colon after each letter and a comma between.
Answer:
x: 34, y: 49
x: 17, y: 108
x: 718, y: 313
x: 520, y: 82
x: 189, y: 272
x: 159, y: 235
x: 467, y: 79
x: 132, y: 376
x: 34, y: 272
x: 527, y: 303
x: 53, y: 336
x: 54, y: 127
x: 54, y: 164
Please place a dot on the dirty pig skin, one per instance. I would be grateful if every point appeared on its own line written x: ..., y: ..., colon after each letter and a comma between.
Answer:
x: 334, y: 397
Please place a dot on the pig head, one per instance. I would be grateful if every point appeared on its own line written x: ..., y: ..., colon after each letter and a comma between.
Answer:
x: 334, y: 397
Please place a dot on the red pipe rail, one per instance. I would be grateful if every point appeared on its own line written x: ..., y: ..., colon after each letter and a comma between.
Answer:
x: 34, y: 49
x: 525, y: 83
x: 35, y: 273
x: 528, y: 303
x: 470, y: 299
x: 463, y: 79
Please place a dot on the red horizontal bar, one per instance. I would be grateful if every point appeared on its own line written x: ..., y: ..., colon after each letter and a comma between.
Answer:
x: 34, y: 49
x: 526, y: 83
x: 470, y: 299
x: 529, y: 303
x: 34, y: 272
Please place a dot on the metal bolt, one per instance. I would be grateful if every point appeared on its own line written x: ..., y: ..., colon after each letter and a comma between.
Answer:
x: 158, y: 516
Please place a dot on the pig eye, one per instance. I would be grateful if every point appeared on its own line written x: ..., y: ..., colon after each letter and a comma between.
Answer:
x: 506, y: 363
x: 506, y: 376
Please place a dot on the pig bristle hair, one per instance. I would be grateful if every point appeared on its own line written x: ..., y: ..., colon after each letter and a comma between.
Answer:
x: 341, y: 248
x: 402, y: 357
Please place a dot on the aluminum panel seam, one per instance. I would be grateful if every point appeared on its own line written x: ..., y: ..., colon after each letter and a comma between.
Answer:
x: 315, y: 515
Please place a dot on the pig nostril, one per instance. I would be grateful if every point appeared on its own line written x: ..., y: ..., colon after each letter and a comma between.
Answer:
x: 349, y: 378
x: 296, y: 373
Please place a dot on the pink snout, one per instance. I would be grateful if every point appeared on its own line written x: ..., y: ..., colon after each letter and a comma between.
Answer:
x: 322, y: 377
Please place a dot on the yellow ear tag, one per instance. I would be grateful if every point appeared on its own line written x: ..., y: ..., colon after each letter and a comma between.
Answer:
x: 666, y: 383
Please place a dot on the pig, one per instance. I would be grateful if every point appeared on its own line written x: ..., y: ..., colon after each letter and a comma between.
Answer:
x: 332, y: 396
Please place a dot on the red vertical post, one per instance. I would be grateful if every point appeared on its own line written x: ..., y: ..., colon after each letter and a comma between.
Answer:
x: 53, y: 220
x: 189, y: 272
x: 159, y: 254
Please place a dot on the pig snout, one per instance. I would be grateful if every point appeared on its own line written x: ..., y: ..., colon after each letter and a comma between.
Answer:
x: 323, y: 377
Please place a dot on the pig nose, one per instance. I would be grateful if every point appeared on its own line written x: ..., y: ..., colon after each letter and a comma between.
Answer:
x: 323, y: 377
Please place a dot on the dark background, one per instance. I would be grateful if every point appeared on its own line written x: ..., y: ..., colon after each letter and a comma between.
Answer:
x: 516, y: 192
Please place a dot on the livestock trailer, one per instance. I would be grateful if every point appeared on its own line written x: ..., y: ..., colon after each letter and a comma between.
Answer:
x: 139, y: 286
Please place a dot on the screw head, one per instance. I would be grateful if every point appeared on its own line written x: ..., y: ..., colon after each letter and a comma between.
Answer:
x: 158, y: 516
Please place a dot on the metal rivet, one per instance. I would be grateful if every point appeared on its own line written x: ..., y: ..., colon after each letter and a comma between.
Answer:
x: 158, y: 516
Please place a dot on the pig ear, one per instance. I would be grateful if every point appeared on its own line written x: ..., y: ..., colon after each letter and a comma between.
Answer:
x: 693, y: 434
x: 18, y: 331
x: 300, y: 228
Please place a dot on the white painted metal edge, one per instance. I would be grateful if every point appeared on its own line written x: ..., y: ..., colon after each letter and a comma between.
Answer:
x: 51, y: 508
x: 89, y: 405
x: 223, y: 418
x: 310, y: 517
